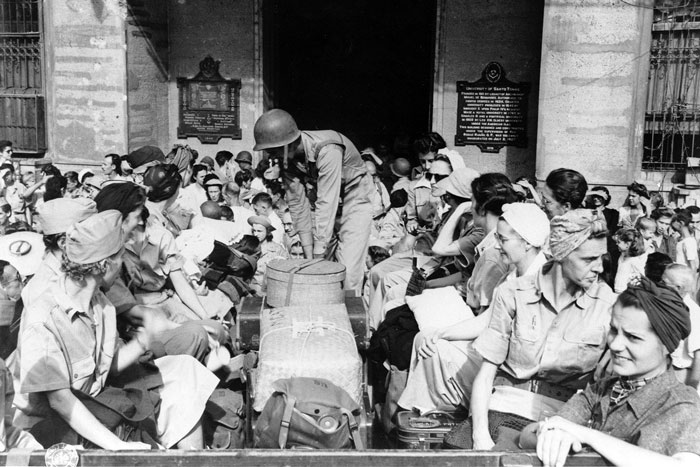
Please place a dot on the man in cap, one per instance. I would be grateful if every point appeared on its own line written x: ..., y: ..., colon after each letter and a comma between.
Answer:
x: 323, y: 161
x: 244, y: 159
x: 144, y: 157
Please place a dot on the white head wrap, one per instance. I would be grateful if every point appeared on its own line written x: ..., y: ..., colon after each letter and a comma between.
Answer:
x: 529, y: 221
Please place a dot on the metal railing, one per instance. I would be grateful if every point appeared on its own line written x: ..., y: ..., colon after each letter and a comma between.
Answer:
x: 21, y: 70
x: 672, y: 120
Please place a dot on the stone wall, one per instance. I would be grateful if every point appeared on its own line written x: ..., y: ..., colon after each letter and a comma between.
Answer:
x: 147, y: 74
x: 223, y: 29
x: 478, y: 32
x: 86, y: 80
x: 595, y: 58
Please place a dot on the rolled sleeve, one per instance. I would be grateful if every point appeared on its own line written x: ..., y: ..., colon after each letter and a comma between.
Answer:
x: 43, y: 366
x: 300, y: 210
x: 492, y: 344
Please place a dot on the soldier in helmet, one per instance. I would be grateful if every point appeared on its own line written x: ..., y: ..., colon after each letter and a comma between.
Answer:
x: 320, y: 167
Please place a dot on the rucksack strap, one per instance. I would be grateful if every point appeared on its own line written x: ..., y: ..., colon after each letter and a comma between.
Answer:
x: 286, y: 421
x: 354, y: 429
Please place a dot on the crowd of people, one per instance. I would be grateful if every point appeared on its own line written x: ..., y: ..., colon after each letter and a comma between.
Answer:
x: 553, y: 320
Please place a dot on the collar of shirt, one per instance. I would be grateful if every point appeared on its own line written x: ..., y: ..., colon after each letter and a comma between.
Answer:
x: 422, y: 182
x: 647, y: 397
x: 531, y: 270
x: 63, y: 301
x: 543, y: 286
x: 489, y: 241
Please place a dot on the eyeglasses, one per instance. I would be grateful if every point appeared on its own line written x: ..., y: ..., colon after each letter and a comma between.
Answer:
x: 431, y: 177
x: 501, y: 239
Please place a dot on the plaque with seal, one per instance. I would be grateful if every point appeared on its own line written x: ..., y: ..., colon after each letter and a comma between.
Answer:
x: 209, y: 105
x: 492, y: 112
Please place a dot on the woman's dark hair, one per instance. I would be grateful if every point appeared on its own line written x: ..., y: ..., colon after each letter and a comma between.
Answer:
x: 198, y: 168
x: 249, y: 245
x: 223, y: 157
x: 568, y: 186
x: 125, y: 197
x: 54, y: 187
x: 378, y: 253
x: 491, y: 191
x: 51, y: 170
x: 398, y: 198
x: 429, y: 142
x: 634, y: 238
x: 18, y: 226
x: 72, y: 176
x: 263, y: 165
x: 116, y: 161
x: 657, y: 263
x: 243, y: 176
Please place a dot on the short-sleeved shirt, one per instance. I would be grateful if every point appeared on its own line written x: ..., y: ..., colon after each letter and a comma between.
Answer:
x: 684, y: 355
x: 62, y: 346
x: 662, y: 416
x: 149, y: 259
x: 530, y: 338
x: 487, y: 273
x: 687, y: 251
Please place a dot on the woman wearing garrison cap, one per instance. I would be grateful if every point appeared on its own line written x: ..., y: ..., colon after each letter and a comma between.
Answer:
x: 68, y: 347
x: 641, y: 415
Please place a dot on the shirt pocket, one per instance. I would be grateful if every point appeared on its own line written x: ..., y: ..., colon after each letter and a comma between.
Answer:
x: 83, y: 372
x: 587, y: 344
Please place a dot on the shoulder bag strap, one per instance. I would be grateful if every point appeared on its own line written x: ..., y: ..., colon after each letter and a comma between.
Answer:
x: 286, y: 420
x: 354, y: 429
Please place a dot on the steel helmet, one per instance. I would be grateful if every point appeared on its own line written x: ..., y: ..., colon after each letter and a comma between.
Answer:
x: 275, y: 128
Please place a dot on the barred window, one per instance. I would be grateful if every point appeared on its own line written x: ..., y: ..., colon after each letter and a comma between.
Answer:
x: 21, y: 71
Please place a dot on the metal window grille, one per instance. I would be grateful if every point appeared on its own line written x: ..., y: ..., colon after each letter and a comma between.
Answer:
x: 21, y: 68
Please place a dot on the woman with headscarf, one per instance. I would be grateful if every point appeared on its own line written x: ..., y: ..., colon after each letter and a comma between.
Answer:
x: 164, y: 206
x: 441, y: 372
x: 270, y: 250
x: 547, y: 331
x: 642, y: 415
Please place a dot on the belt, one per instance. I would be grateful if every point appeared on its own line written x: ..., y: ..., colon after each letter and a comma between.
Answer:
x: 537, y: 386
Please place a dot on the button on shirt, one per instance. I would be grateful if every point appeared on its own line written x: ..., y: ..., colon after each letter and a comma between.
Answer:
x: 63, y: 347
x: 530, y: 338
x: 662, y: 416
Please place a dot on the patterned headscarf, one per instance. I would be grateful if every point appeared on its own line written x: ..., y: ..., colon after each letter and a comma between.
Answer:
x: 570, y: 230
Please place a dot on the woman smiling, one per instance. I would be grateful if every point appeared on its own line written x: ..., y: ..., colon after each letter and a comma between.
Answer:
x: 642, y: 415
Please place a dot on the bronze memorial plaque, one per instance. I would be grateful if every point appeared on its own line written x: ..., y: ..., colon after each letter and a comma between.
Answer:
x: 209, y: 105
x: 492, y: 112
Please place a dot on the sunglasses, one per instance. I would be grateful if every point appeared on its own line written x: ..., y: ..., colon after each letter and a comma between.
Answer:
x: 435, y: 177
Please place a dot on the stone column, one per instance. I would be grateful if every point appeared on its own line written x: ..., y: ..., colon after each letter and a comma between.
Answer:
x: 85, y: 80
x: 593, y: 80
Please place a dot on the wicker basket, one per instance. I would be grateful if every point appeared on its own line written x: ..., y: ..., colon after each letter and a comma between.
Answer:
x: 313, y: 341
x: 304, y: 282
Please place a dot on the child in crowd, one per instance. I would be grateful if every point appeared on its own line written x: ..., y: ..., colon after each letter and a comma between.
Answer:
x: 687, y: 247
x: 646, y: 226
x: 633, y: 257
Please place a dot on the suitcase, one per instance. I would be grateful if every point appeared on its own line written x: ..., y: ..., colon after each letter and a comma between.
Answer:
x: 425, y: 432
x: 314, y: 341
x: 246, y: 333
